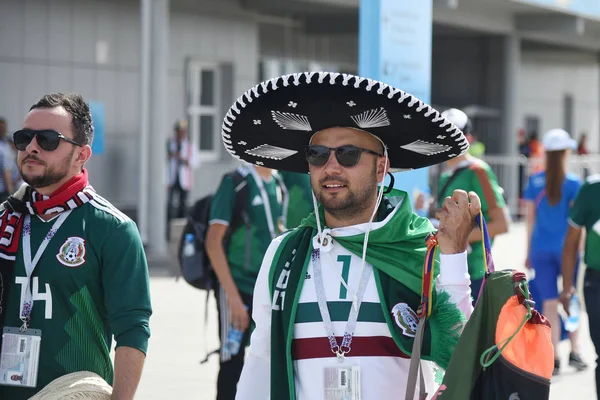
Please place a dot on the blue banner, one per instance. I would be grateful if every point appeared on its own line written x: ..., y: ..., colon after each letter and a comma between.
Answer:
x: 395, y: 47
x: 589, y: 8
x: 99, y: 122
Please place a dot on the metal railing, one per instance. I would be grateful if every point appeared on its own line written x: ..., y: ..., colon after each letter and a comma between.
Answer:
x: 513, y: 171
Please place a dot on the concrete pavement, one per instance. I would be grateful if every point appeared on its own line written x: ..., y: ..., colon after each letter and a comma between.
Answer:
x: 179, y: 340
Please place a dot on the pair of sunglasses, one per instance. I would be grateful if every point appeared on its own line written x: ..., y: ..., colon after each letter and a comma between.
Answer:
x: 346, y: 156
x: 47, y: 139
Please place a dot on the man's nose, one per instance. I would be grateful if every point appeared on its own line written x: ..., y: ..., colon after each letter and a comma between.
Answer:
x: 332, y: 163
x: 33, y: 146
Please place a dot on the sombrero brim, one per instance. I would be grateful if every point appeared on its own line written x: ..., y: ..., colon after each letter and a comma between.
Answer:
x: 76, y: 386
x: 272, y: 123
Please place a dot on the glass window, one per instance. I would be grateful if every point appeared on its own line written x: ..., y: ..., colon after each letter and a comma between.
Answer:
x: 203, y: 110
x: 207, y: 137
x: 207, y: 87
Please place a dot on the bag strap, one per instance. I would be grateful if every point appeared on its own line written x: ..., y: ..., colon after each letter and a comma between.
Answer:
x: 424, y: 311
x: 451, y: 179
x: 486, y: 244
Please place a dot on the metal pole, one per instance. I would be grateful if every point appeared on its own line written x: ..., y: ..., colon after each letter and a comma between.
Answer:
x: 157, y: 209
x: 512, y: 66
x: 146, y: 23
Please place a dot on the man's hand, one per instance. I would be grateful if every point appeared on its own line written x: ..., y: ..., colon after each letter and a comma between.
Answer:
x: 456, y: 221
x: 565, y: 298
x: 238, y: 313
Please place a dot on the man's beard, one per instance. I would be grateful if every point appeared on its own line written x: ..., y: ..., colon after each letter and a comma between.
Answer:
x: 50, y: 176
x: 354, y: 203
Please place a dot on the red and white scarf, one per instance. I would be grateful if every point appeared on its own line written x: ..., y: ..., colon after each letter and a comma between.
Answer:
x: 74, y: 193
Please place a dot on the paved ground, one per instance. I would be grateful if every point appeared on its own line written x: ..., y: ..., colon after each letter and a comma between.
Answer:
x: 179, y: 340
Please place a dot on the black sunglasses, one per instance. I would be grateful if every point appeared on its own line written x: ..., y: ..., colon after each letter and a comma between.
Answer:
x: 346, y: 156
x: 47, y: 139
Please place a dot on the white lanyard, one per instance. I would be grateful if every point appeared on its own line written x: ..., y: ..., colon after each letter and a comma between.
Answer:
x: 265, y: 199
x: 285, y: 201
x: 339, y: 350
x: 30, y: 264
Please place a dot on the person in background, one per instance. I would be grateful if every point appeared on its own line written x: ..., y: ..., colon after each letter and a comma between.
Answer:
x: 300, y: 197
x: 549, y: 196
x: 237, y: 263
x: 182, y: 160
x: 536, y: 154
x: 523, y: 173
x: 6, y: 185
x: 585, y: 214
x: 15, y: 176
x: 523, y: 142
x: 476, y: 148
x: 582, y: 146
x: 469, y: 173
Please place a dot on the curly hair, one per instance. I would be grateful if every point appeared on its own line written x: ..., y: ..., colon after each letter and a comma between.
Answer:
x: 73, y: 103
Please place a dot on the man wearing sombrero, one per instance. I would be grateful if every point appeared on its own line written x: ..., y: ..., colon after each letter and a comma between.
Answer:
x: 335, y: 304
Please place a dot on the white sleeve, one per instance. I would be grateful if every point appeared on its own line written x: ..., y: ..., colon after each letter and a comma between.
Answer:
x: 455, y: 280
x: 255, y: 381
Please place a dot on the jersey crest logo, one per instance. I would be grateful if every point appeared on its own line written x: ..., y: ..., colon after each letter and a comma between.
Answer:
x: 406, y: 319
x: 72, y: 252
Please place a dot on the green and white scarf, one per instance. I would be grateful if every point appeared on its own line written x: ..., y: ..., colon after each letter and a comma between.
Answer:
x: 397, y: 250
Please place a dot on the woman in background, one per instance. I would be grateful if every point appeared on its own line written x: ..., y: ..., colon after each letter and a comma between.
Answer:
x: 549, y: 195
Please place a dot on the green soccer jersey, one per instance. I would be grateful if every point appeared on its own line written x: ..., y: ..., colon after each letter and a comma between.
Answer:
x: 222, y: 211
x: 90, y: 284
x: 585, y: 213
x: 300, y: 197
x: 479, y: 178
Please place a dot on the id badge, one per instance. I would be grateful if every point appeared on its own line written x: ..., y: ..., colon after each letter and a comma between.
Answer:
x: 20, y: 357
x: 341, y: 382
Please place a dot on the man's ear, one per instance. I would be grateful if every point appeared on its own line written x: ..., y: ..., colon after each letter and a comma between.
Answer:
x: 382, y: 168
x: 84, y: 154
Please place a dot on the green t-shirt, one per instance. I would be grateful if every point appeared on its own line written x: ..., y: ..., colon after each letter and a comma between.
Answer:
x: 300, y: 197
x: 260, y: 236
x: 479, y: 178
x: 90, y: 284
x: 586, y: 213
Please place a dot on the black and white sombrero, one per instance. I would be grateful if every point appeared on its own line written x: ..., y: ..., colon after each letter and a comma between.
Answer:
x: 271, y: 124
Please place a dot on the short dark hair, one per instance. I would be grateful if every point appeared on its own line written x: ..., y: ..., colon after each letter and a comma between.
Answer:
x: 3, y: 120
x: 73, y: 103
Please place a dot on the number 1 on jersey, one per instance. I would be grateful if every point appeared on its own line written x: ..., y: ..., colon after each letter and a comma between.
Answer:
x: 345, y: 260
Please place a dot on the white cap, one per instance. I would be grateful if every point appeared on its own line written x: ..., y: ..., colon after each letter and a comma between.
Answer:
x: 558, y: 139
x: 457, y: 117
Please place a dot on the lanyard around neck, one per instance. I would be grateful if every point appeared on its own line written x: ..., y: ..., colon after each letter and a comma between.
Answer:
x: 30, y: 264
x: 339, y: 350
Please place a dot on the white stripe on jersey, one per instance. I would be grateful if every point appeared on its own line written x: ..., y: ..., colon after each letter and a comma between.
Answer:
x: 316, y: 329
x: 108, y: 204
x: 104, y: 205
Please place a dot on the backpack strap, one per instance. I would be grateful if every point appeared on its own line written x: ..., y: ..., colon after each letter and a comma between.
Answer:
x: 452, y: 178
x: 240, y: 210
